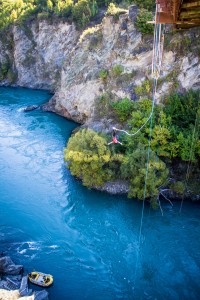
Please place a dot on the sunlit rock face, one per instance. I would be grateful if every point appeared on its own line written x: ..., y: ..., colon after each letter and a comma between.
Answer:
x: 53, y: 55
x: 37, y: 52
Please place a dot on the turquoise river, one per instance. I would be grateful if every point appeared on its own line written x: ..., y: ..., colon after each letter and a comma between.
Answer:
x: 88, y: 240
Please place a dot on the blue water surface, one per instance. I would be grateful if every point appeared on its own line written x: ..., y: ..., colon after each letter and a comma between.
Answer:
x: 89, y: 241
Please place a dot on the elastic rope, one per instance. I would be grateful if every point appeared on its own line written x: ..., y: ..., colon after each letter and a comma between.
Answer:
x: 148, y: 157
x: 132, y: 134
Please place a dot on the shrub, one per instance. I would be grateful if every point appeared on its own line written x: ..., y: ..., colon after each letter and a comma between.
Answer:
x: 115, y: 11
x: 49, y: 5
x: 88, y: 31
x: 123, y: 109
x: 103, y: 74
x: 148, y: 4
x: 4, y: 70
x: 82, y: 11
x: 64, y: 8
x: 141, y: 21
x: 87, y: 155
x: 182, y: 108
x: 144, y: 89
x: 117, y: 70
x: 134, y: 168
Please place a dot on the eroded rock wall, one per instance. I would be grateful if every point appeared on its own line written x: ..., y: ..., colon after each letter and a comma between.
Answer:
x: 37, y: 52
x: 53, y: 55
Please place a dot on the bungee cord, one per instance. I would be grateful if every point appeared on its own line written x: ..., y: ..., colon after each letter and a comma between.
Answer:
x: 157, y: 58
x: 156, y: 62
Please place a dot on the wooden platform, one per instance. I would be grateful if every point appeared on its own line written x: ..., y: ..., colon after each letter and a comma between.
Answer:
x: 182, y: 13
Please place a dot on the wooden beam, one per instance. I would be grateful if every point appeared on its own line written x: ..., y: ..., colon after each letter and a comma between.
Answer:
x: 197, y: 22
x: 189, y: 16
x: 190, y: 4
x: 184, y: 27
x: 191, y: 11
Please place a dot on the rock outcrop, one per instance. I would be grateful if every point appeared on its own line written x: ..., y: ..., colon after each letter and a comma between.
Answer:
x: 37, y: 52
x: 8, y: 267
x: 14, y: 286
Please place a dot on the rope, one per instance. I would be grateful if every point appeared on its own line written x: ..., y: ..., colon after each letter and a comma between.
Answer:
x: 157, y: 58
x: 132, y: 134
x: 155, y: 62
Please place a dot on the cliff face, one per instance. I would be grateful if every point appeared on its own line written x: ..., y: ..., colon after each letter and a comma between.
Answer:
x: 36, y: 52
x: 54, y: 56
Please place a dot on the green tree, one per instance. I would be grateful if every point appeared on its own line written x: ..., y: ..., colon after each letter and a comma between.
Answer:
x: 63, y: 8
x: 148, y: 4
x: 117, y: 70
x: 182, y: 108
x: 123, y: 109
x: 49, y: 5
x: 87, y: 155
x: 141, y: 22
x: 134, y: 169
x: 103, y: 74
x: 81, y: 13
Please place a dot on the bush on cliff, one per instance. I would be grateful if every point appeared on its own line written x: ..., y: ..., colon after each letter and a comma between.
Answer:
x: 115, y: 11
x: 123, y: 109
x: 82, y: 11
x: 63, y: 8
x: 148, y: 4
x: 141, y: 21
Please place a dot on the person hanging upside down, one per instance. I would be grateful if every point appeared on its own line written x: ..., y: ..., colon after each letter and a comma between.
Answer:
x: 114, y: 139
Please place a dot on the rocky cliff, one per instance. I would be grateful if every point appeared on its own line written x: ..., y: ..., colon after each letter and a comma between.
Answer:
x: 54, y: 55
x: 36, y: 52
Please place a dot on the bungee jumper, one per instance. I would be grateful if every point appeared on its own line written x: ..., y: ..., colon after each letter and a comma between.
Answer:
x: 114, y: 138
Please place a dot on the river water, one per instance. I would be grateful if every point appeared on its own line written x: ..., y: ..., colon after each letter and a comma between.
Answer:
x: 89, y: 241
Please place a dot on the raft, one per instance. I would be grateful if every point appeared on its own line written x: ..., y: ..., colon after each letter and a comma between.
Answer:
x: 40, y: 279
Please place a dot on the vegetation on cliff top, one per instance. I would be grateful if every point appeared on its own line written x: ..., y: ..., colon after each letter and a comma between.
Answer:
x: 81, y: 11
x: 175, y: 135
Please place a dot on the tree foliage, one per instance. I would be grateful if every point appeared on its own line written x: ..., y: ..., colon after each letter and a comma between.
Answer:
x: 141, y: 21
x: 88, y: 155
x: 175, y: 134
x: 123, y: 108
x: 134, y: 168
x: 82, y: 11
x: 148, y: 4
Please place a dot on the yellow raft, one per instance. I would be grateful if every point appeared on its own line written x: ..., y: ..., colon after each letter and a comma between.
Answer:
x: 40, y: 279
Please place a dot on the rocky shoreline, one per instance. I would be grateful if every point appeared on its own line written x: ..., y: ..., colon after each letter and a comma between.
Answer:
x: 14, y: 282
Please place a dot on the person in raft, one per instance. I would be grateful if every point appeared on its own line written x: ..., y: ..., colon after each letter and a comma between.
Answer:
x: 114, y: 139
